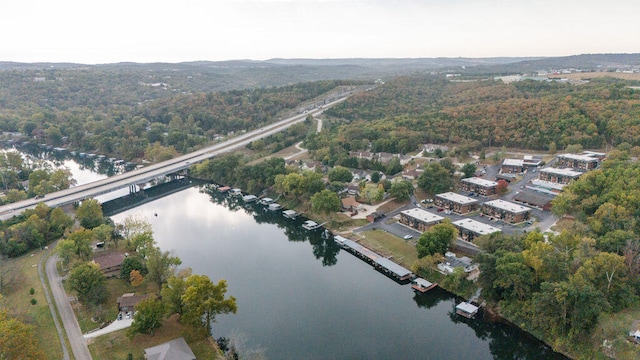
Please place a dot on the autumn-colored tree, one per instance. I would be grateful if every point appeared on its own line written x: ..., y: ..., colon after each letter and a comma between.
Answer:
x: 135, y: 278
x: 18, y: 340
x: 203, y: 300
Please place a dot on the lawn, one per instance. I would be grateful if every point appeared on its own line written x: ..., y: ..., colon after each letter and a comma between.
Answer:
x: 401, y: 251
x: 17, y: 300
x: 116, y: 345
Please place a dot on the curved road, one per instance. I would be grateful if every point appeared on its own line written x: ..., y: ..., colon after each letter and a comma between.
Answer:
x: 78, y: 343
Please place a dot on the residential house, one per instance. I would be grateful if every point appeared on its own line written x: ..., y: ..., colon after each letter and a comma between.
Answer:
x: 506, y: 211
x: 110, y: 263
x: 455, y: 202
x: 580, y: 162
x: 349, y: 203
x: 536, y: 199
x: 479, y: 186
x: 419, y: 219
x: 560, y: 176
x: 127, y: 302
x: 513, y: 166
x: 176, y: 349
x: 469, y: 229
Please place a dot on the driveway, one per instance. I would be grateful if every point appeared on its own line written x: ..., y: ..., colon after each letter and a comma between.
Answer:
x: 114, y: 326
x: 78, y: 343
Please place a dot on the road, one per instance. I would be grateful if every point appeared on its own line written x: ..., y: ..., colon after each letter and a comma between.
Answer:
x: 76, y: 340
x: 52, y: 307
x: 154, y: 171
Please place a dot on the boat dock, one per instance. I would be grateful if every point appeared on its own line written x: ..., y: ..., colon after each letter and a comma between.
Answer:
x: 378, y: 261
x: 290, y: 214
x: 312, y: 225
x: 274, y: 207
x: 422, y: 285
x: 249, y: 198
x: 466, y: 309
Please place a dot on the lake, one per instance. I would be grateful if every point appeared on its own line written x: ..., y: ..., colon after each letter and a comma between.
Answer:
x: 300, y: 296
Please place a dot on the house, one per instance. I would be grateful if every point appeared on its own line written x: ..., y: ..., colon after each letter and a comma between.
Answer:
x: 536, y: 199
x: 512, y: 166
x: 560, y: 176
x: 452, y: 261
x: 419, y: 219
x: 353, y: 190
x: 506, y: 211
x: 374, y: 216
x: 456, y: 202
x: 531, y: 161
x: 127, y: 302
x: 469, y: 229
x: 479, y: 186
x: 176, y: 349
x: 349, y: 203
x: 580, y: 162
x: 110, y: 263
x: 410, y: 174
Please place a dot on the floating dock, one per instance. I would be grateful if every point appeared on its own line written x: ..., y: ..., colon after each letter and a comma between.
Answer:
x: 265, y: 201
x: 422, y: 285
x: 466, y: 309
x: 274, y: 207
x: 290, y: 214
x: 311, y: 225
x: 224, y: 189
x: 378, y: 261
x: 249, y: 198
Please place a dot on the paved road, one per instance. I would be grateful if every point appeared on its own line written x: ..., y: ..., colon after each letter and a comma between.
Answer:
x: 65, y: 351
x: 114, y: 326
x: 78, y: 343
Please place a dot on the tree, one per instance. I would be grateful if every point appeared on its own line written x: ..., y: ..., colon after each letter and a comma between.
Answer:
x: 59, y: 222
x: 89, y: 213
x: 340, y: 173
x: 133, y: 225
x: 131, y: 263
x: 325, y: 201
x: 18, y: 340
x: 161, y: 265
x: 81, y: 239
x: 502, y: 187
x: 103, y: 232
x: 435, y: 179
x: 89, y: 282
x: 372, y: 192
x: 436, y: 240
x: 401, y: 190
x: 393, y: 166
x: 135, y: 278
x: 375, y: 176
x: 469, y: 169
x: 173, y: 290
x: 148, y: 317
x: 203, y: 300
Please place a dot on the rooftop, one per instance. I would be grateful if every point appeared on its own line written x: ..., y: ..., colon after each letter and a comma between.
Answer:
x: 109, y: 260
x: 586, y: 158
x: 512, y: 162
x: 563, y: 172
x: 480, y: 182
x: 422, y: 215
x: 476, y: 226
x: 176, y: 349
x: 457, y: 198
x: 508, y: 206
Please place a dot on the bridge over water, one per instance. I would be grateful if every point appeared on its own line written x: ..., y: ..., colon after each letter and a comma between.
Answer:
x: 161, y: 169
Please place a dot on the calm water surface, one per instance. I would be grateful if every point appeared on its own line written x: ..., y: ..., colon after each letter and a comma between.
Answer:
x: 300, y: 297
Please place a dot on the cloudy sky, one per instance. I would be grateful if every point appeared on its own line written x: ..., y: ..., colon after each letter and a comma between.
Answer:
x: 100, y: 31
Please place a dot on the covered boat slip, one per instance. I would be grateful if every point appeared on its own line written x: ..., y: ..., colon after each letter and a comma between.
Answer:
x: 396, y: 271
x: 422, y: 285
x: 466, y: 309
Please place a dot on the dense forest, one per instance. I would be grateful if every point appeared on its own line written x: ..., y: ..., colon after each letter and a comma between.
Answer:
x: 409, y: 111
x: 561, y: 287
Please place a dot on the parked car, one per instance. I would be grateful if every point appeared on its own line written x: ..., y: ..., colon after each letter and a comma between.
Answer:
x: 408, y: 237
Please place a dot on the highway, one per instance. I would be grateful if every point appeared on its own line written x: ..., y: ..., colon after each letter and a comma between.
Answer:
x: 147, y: 173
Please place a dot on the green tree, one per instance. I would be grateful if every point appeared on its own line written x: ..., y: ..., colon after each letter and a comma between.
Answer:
x: 89, y: 213
x: 160, y: 266
x: 469, y: 169
x: 393, y: 166
x: 173, y: 291
x: 81, y: 240
x: 147, y: 318
x: 103, y: 232
x: 437, y: 239
x: 401, y: 190
x: 325, y: 201
x: 89, y: 282
x: 131, y: 263
x: 340, y: 173
x: 435, y: 179
x: 203, y: 300
x: 372, y: 192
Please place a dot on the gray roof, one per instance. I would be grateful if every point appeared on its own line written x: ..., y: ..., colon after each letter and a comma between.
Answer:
x: 398, y: 270
x: 176, y: 349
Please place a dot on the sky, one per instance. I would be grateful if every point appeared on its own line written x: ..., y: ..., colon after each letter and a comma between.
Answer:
x: 101, y: 31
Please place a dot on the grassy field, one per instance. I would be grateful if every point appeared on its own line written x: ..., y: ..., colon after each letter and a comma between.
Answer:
x: 17, y: 300
x: 400, y: 251
x: 116, y: 345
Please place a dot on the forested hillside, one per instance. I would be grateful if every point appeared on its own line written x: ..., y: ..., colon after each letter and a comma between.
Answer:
x: 527, y: 114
